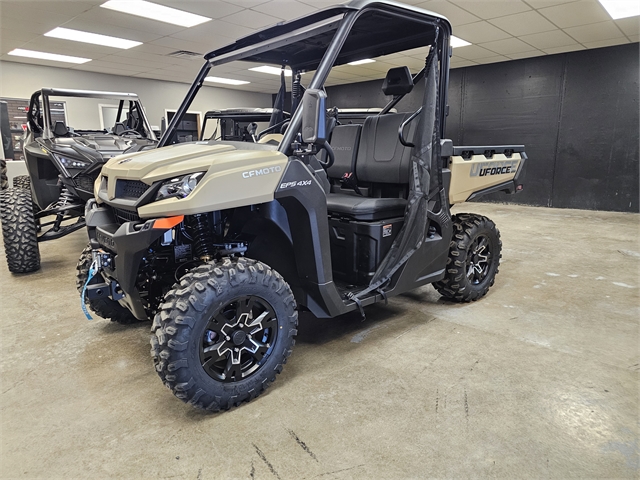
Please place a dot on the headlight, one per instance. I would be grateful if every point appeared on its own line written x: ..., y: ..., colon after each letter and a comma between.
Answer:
x: 71, y: 162
x: 179, y: 187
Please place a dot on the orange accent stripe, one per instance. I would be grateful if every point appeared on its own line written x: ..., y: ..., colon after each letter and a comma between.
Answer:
x: 167, y: 223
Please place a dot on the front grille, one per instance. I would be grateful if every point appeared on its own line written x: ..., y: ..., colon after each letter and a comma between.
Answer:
x: 130, y: 189
x: 123, y: 216
x: 84, y: 182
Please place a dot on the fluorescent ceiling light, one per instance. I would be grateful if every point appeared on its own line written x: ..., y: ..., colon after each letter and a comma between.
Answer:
x: 621, y: 8
x: 458, y: 42
x: 86, y: 37
x: 19, y: 52
x: 362, y: 62
x: 154, y: 11
x: 227, y: 81
x: 271, y: 70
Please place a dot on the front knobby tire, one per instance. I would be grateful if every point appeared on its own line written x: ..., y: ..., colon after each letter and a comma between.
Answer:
x: 224, y: 333
x: 19, y: 230
x: 474, y: 258
x: 4, y: 179
x: 105, y: 307
x: 22, y: 181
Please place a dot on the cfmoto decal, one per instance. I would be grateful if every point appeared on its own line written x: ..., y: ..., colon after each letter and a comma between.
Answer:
x: 261, y: 171
x: 483, y: 169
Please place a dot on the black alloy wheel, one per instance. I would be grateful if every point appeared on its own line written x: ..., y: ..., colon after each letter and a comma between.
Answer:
x: 478, y: 259
x: 238, y: 339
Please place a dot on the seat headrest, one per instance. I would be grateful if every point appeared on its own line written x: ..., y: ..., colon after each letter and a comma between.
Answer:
x: 119, y: 128
x: 60, y: 129
x: 398, y: 81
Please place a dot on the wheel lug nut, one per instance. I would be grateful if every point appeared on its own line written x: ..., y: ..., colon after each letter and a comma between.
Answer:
x: 228, y: 338
x: 236, y: 349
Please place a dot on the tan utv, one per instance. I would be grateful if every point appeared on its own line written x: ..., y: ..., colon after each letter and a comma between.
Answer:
x: 222, y: 243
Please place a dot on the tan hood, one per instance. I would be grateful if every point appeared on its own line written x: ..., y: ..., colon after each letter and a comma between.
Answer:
x: 234, y: 177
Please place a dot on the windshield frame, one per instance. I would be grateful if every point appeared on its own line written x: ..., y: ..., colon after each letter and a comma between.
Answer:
x: 279, y: 35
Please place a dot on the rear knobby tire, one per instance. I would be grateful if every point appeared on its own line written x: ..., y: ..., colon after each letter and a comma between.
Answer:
x: 22, y: 181
x: 4, y: 179
x: 19, y: 230
x: 469, y: 275
x: 105, y: 308
x: 207, y: 305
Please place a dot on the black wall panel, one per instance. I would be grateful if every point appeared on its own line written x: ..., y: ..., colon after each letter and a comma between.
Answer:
x: 577, y: 114
x: 597, y: 164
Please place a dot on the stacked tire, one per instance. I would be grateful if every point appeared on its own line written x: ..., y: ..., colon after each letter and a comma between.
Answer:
x: 19, y: 230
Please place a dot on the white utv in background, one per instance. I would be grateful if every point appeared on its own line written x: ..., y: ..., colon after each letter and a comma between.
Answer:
x: 221, y: 243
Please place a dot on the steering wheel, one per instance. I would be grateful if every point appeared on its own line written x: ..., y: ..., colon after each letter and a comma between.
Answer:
x: 130, y: 132
x: 330, y: 156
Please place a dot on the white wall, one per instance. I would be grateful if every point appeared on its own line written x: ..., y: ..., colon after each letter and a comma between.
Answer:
x: 20, y: 80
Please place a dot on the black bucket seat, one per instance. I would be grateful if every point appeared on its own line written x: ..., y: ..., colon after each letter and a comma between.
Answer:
x: 382, y: 162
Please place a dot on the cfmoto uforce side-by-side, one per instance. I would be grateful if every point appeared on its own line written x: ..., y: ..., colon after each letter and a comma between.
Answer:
x: 63, y: 163
x: 222, y: 243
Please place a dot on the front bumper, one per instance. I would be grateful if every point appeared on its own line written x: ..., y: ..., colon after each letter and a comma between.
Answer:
x: 128, y: 242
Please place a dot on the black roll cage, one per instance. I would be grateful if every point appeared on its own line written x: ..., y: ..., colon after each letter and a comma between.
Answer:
x: 46, y: 129
x: 342, y: 19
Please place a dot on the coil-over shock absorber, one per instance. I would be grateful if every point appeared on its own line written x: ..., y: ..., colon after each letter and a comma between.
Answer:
x: 297, y: 90
x: 203, y: 236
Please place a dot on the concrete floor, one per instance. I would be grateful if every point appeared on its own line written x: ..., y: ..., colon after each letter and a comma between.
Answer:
x: 539, y: 379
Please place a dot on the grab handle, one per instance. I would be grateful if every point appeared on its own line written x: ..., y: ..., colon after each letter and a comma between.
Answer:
x: 404, y: 124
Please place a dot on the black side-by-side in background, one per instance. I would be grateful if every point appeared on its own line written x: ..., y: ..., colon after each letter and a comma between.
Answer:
x: 577, y: 114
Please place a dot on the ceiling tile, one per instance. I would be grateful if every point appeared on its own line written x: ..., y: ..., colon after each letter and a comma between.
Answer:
x: 342, y: 75
x: 480, y: 32
x: 595, y: 32
x: 606, y: 43
x: 494, y: 59
x: 17, y: 35
x: 69, y: 8
x: 507, y: 46
x: 472, y: 52
x: 556, y: 38
x: 330, y: 3
x: 573, y: 14
x: 105, y: 65
x: 8, y: 45
x: 492, y: 8
x: 529, y: 54
x: 634, y: 38
x: 140, y: 64
x: 462, y: 63
x: 546, y: 3
x: 568, y: 48
x: 249, y: 18
x: 285, y: 9
x: 247, y: 3
x: 23, y: 24
x: 456, y: 15
x: 179, y: 44
x: 231, y: 31
x: 87, y: 67
x: 17, y: 10
x: 208, y: 8
x: 629, y: 26
x: 523, y: 23
x: 204, y: 34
